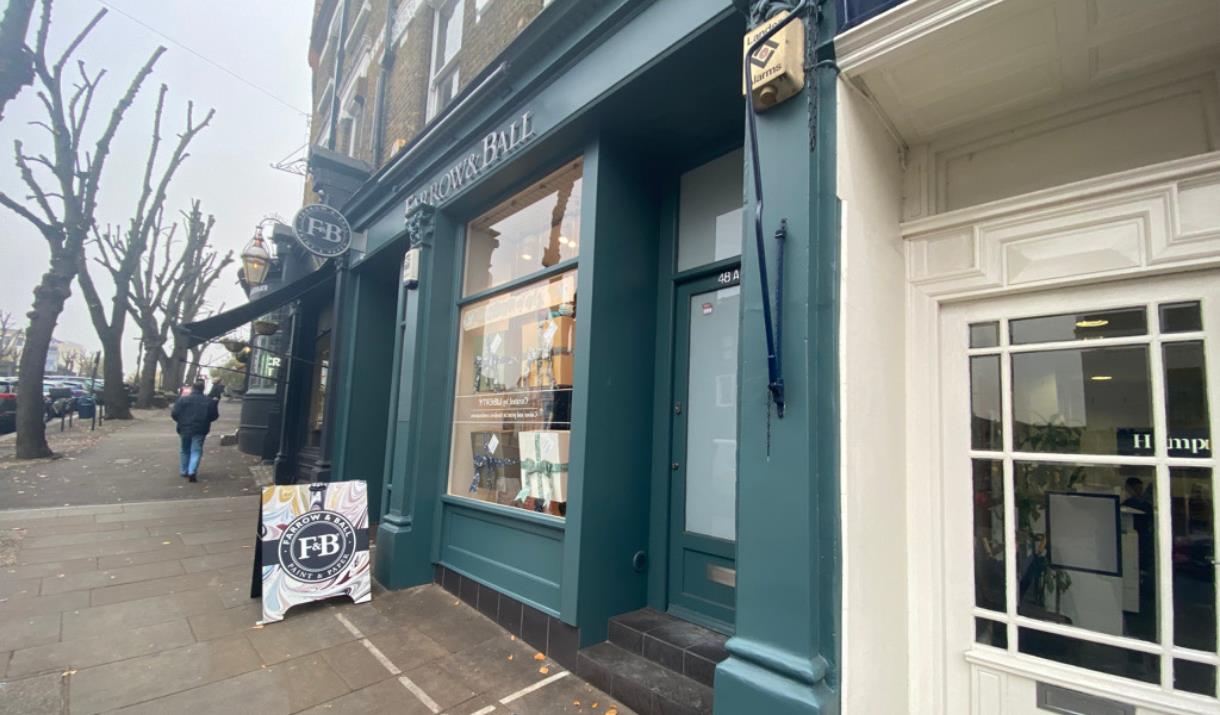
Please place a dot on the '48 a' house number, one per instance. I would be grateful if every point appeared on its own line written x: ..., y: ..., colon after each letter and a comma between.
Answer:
x: 729, y: 278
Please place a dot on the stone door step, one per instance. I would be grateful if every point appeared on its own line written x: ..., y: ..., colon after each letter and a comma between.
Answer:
x: 642, y: 685
x: 656, y: 663
x: 679, y: 645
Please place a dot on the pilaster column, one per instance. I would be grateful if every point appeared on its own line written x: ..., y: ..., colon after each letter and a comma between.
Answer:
x: 404, y: 535
x: 784, y: 655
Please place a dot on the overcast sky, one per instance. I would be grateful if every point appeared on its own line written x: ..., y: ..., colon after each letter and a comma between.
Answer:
x: 264, y: 42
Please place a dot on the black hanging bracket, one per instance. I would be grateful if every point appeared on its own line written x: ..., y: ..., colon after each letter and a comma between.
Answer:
x: 773, y: 327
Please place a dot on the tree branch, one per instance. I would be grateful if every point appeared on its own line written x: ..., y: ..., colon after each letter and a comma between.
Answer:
x: 80, y: 37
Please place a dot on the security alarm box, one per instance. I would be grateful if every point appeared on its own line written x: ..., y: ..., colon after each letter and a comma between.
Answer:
x: 777, y: 69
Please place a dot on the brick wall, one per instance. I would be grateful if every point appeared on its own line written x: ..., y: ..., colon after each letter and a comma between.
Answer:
x: 408, y: 83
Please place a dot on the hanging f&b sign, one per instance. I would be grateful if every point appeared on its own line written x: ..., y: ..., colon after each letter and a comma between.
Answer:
x: 313, y: 545
x: 322, y: 230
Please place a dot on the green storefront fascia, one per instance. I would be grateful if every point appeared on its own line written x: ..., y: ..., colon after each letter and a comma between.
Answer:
x: 785, y: 652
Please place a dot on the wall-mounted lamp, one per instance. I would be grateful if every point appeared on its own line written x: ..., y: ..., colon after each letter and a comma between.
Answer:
x: 256, y: 260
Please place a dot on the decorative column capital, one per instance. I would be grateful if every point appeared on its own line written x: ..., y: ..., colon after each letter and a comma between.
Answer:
x: 421, y: 224
x: 763, y: 10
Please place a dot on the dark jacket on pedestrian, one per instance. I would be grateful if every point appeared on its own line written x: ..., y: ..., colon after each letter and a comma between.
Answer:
x: 195, y: 413
x: 217, y: 391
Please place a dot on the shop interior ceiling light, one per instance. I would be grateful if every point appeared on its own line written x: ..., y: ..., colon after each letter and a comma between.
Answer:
x: 1092, y: 323
x: 1102, y: 378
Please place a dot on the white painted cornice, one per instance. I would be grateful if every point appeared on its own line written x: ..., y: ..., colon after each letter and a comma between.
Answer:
x: 868, y: 44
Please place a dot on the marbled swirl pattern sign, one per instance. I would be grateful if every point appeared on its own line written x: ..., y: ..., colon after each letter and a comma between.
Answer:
x: 314, y: 544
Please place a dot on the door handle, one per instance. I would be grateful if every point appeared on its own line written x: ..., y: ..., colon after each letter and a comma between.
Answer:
x: 675, y: 466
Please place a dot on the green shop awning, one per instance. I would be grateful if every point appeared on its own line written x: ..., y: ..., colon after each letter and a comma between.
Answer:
x: 217, y: 325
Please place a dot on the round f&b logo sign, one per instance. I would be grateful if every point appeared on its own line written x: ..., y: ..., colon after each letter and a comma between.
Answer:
x: 317, y: 546
x: 322, y: 230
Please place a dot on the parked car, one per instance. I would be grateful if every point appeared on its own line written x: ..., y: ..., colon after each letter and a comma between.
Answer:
x: 8, y: 407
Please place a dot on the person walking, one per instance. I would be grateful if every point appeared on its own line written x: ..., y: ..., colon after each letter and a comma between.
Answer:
x: 194, y: 414
x: 217, y: 391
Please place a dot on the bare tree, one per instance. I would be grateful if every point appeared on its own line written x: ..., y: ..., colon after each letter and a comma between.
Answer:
x: 16, y: 61
x: 75, y: 177
x: 120, y: 252
x: 171, y: 290
x: 9, y: 352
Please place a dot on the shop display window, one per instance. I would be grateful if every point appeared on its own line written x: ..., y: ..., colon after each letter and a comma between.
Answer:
x: 532, y: 231
x: 516, y: 351
x: 1093, y: 492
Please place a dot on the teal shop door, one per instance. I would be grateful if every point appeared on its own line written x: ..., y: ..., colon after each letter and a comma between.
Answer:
x: 703, y: 515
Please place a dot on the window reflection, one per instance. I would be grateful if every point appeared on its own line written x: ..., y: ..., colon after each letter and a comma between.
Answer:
x: 1086, y: 546
x: 984, y: 335
x: 1194, y: 543
x: 1181, y: 317
x: 513, y: 402
x: 1186, y: 400
x: 1095, y: 401
x: 989, y: 535
x: 986, y: 426
x: 1194, y: 677
x: 1106, y: 658
x: 1079, y: 326
x: 536, y: 229
x: 990, y: 632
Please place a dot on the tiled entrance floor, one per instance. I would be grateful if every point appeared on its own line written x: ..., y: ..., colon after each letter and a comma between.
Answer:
x: 144, y: 608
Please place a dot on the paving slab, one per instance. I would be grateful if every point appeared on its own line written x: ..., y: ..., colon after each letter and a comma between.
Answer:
x: 443, y: 682
x: 171, y: 552
x: 37, y: 605
x: 88, y: 652
x: 356, y: 664
x: 116, y: 548
x: 109, y: 577
x: 387, y: 696
x: 280, y: 689
x: 221, y: 547
x: 78, y: 537
x: 304, y: 631
x: 151, y: 587
x: 210, y: 625
x: 15, y: 588
x: 50, y: 568
x: 137, y: 680
x: 87, y: 622
x: 43, y: 695
x: 25, y: 631
x: 212, y: 562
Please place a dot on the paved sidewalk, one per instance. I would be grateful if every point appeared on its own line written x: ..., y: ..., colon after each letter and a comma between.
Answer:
x: 145, y: 608
x: 126, y: 461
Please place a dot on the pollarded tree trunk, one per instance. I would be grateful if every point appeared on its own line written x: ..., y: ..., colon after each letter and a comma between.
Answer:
x: 117, y: 405
x: 148, y: 374
x: 49, y: 297
x: 177, y: 367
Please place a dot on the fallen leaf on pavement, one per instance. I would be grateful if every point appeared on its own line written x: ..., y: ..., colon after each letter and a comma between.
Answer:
x: 544, y: 670
x: 539, y: 656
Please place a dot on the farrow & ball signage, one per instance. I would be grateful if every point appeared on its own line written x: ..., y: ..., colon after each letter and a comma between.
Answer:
x: 494, y: 148
x: 313, y: 545
x: 323, y: 231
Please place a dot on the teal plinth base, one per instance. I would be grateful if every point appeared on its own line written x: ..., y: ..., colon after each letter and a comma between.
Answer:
x: 392, y: 565
x: 745, y: 688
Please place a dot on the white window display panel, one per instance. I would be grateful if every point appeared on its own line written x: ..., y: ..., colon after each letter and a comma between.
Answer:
x: 710, y: 211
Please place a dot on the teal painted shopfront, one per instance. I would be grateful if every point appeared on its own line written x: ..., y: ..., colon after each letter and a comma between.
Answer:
x: 553, y: 348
